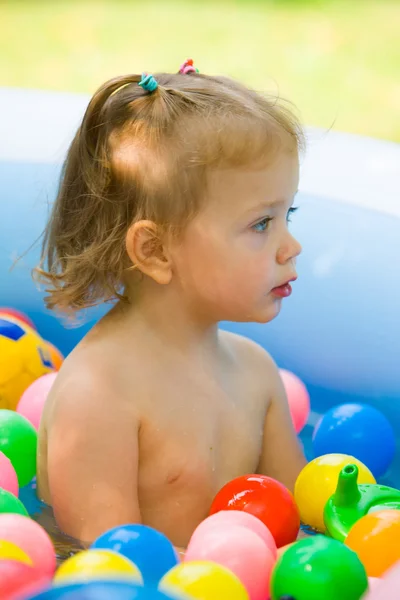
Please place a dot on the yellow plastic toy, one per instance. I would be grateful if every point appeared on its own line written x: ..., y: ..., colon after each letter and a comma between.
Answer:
x: 89, y: 565
x: 203, y: 580
x: 317, y: 482
x: 55, y: 356
x: 10, y: 551
x: 24, y: 356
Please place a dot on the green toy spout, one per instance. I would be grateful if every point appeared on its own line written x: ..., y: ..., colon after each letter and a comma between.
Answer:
x: 351, y: 502
x: 347, y: 492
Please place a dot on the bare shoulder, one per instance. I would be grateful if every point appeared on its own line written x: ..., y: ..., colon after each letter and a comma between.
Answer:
x: 252, y: 356
x: 88, y: 446
x: 88, y: 384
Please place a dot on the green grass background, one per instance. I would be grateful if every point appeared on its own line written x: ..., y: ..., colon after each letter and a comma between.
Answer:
x: 337, y: 60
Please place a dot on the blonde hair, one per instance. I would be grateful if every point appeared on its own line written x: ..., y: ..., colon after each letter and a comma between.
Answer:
x: 171, y: 137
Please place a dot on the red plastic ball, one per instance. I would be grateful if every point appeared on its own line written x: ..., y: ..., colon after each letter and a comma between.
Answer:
x: 19, y: 580
x: 264, y: 498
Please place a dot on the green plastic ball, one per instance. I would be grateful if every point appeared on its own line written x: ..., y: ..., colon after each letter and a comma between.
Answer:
x: 10, y: 504
x: 18, y: 441
x: 318, y: 567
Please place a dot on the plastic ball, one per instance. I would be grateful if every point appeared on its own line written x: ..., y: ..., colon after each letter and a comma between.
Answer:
x: 17, y: 315
x: 34, y: 397
x: 18, y: 441
x: 241, y: 551
x: 317, y: 482
x: 32, y: 539
x: 203, y: 580
x: 298, y: 398
x: 150, y: 550
x: 10, y: 551
x: 359, y: 430
x: 375, y: 539
x: 225, y: 519
x: 55, y: 356
x: 19, y: 580
x: 373, y: 582
x: 386, y: 588
x: 11, y: 504
x: 24, y: 356
x: 97, y: 564
x: 264, y: 498
x: 8, y: 476
x: 318, y: 567
x: 104, y: 590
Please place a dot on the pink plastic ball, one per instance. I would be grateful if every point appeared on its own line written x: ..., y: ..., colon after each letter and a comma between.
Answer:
x: 386, y: 588
x: 32, y: 539
x: 298, y: 398
x: 226, y: 519
x: 33, y: 399
x: 240, y: 550
x: 8, y: 476
x: 19, y: 580
x: 373, y: 582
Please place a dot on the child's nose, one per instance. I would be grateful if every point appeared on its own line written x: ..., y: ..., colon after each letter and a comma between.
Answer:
x: 289, y: 250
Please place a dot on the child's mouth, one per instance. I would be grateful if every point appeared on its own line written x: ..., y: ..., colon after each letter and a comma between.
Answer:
x: 283, y: 291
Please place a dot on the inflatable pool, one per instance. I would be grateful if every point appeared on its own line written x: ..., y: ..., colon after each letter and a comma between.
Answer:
x: 339, y: 331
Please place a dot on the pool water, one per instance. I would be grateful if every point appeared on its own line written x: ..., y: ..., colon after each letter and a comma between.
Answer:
x: 66, y: 546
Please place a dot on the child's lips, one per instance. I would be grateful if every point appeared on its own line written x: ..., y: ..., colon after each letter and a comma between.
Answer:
x: 284, y: 290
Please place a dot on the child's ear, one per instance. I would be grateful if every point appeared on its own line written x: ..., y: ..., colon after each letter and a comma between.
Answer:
x: 147, y: 251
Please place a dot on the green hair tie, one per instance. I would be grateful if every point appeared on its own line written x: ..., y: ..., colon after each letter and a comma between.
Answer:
x: 148, y: 83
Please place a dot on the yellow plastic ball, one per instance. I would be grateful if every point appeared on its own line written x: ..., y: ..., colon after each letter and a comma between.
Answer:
x: 97, y: 564
x: 317, y: 482
x: 55, y: 356
x: 24, y: 357
x: 203, y: 580
x: 10, y: 551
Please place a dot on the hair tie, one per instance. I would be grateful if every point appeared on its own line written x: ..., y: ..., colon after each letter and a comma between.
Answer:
x: 148, y: 83
x: 188, y: 67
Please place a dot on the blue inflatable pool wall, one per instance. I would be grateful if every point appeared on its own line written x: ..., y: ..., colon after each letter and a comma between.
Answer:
x: 339, y: 331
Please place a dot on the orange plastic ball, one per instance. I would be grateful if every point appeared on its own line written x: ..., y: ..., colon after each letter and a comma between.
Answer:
x: 264, y: 498
x: 375, y: 538
x: 56, y: 357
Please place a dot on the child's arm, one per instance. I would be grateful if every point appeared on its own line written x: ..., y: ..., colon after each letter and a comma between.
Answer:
x: 93, y: 460
x: 282, y: 456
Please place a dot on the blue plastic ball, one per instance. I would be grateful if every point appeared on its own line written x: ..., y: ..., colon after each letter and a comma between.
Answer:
x: 102, y: 590
x: 359, y: 430
x: 150, y: 550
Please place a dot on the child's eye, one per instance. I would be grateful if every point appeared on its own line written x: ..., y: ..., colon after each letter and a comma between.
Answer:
x: 262, y: 225
x: 291, y: 210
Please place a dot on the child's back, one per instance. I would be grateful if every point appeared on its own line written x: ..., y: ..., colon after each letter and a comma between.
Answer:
x: 176, y: 196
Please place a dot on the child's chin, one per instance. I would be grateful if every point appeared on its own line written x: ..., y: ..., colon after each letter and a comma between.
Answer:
x: 268, y: 318
x: 264, y: 315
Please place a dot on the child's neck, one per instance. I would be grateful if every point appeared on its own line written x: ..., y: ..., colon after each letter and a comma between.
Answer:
x: 164, y: 314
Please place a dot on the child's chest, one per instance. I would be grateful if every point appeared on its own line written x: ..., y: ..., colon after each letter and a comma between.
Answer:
x: 202, y: 434
x: 201, y: 425
x: 195, y: 437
